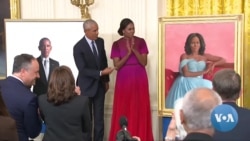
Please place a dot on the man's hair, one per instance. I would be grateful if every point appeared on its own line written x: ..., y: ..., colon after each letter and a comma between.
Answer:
x: 88, y: 23
x: 227, y: 83
x: 22, y: 61
x: 61, y: 85
x: 197, y: 108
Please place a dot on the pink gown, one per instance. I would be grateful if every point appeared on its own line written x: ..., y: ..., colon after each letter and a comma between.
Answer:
x: 131, y: 98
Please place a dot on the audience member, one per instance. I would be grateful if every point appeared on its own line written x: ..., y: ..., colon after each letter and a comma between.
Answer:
x: 47, y: 65
x: 196, y: 113
x: 93, y: 75
x: 66, y: 114
x: 8, y: 131
x: 175, y: 129
x: 20, y: 101
x: 227, y: 83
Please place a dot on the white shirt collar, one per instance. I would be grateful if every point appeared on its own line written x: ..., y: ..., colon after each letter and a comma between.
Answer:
x: 88, y: 40
x: 17, y: 78
x: 43, y: 58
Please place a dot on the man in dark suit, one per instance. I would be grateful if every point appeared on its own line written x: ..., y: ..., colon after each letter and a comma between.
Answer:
x: 47, y: 65
x: 227, y: 83
x: 20, y: 101
x: 93, y: 74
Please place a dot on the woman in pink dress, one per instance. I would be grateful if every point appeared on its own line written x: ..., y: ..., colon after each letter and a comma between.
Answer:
x: 131, y: 98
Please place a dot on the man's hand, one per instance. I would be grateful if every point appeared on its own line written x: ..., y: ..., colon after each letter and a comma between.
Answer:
x: 107, y: 71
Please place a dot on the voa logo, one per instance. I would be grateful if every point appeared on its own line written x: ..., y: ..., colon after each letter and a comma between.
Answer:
x: 224, y: 118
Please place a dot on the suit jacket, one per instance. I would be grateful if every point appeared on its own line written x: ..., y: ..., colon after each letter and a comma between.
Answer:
x: 198, y: 137
x: 22, y: 105
x: 241, y: 131
x: 89, y: 67
x: 8, y: 131
x: 65, y: 122
x: 41, y: 85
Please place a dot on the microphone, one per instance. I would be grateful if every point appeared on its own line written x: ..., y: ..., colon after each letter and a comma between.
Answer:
x: 123, y: 134
x: 123, y: 123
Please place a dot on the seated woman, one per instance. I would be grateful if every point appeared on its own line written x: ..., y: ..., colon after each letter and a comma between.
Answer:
x: 66, y: 115
x: 194, y: 63
x: 8, y: 130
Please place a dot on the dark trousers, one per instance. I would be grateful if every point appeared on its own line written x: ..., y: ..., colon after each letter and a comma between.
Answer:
x: 96, y: 105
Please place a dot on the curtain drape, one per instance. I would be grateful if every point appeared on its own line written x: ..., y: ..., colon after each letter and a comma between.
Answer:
x: 218, y: 7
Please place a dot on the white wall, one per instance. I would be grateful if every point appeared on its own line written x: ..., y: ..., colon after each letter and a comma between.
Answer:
x: 108, y: 14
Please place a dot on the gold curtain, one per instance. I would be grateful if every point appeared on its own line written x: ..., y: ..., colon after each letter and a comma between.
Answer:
x: 217, y: 7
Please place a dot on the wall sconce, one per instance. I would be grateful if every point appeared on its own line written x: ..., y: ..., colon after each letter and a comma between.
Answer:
x: 83, y: 5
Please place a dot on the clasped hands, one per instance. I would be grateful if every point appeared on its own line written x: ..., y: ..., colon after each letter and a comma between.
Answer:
x: 130, y: 47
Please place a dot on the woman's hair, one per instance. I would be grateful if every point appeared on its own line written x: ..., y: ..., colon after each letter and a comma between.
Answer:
x: 61, y: 85
x: 3, y: 109
x: 124, y: 23
x: 189, y: 40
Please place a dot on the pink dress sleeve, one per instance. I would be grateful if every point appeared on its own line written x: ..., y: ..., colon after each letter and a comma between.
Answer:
x: 143, y: 49
x: 115, y: 51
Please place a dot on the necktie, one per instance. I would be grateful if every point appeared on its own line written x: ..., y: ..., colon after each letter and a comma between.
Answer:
x: 94, y: 49
x: 46, y: 68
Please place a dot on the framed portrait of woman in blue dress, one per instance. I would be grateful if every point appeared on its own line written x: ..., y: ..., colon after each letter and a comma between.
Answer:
x: 191, y: 50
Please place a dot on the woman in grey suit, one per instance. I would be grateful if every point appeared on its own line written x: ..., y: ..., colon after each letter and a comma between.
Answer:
x: 66, y: 114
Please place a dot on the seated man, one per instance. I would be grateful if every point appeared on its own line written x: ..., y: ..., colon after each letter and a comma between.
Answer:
x: 195, y: 115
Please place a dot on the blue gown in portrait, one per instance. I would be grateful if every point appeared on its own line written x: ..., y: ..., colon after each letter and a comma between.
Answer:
x: 183, y: 84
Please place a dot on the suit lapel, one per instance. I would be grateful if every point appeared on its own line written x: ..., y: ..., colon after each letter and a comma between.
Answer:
x: 89, y: 51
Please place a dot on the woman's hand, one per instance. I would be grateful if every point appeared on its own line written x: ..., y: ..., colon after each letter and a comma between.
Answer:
x: 171, y: 132
x: 209, y: 68
x: 137, y: 138
x: 129, y: 48
x: 77, y: 90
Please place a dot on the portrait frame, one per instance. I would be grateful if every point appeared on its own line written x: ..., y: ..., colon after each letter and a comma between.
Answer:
x: 172, y: 32
x: 27, y: 33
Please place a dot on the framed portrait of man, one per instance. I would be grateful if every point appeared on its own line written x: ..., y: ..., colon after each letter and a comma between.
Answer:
x: 223, y: 36
x: 26, y: 34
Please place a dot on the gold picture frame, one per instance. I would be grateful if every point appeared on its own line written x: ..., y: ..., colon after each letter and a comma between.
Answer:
x: 172, y: 33
x: 15, y: 9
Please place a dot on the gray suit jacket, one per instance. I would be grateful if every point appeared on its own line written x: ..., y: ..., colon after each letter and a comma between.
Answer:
x: 65, y: 122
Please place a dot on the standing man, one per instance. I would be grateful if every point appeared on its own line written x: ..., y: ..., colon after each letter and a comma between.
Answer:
x: 227, y: 83
x: 20, y: 101
x: 47, y: 65
x: 93, y: 74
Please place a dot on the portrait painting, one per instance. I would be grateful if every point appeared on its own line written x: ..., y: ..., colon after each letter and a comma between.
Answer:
x: 23, y: 36
x: 223, y: 37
